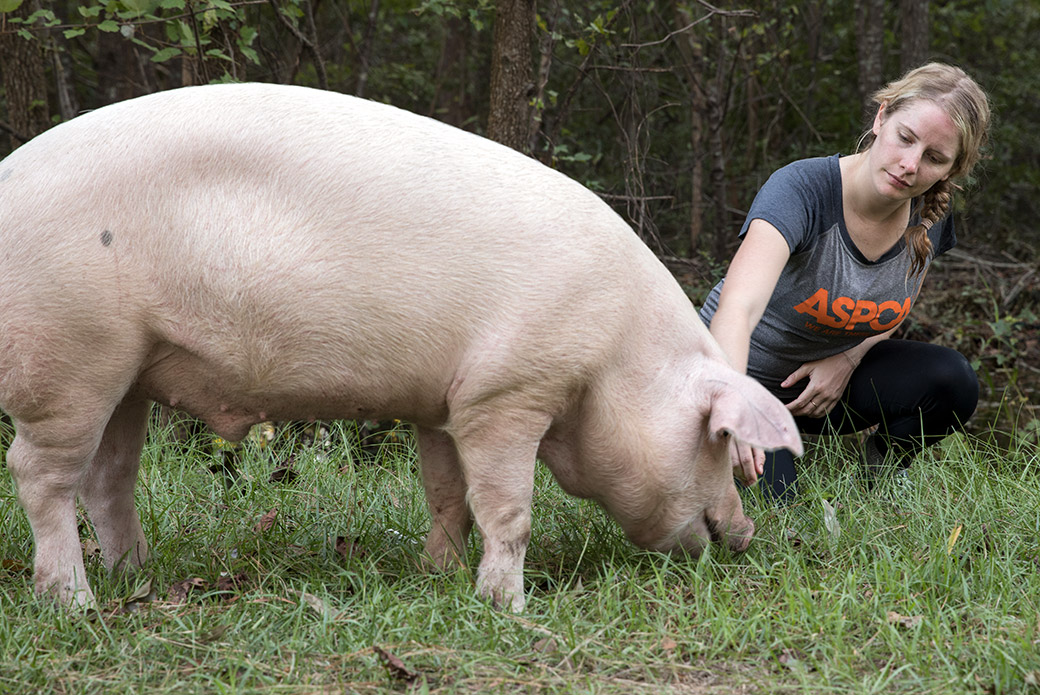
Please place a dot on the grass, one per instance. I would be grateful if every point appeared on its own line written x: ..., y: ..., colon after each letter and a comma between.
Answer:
x: 898, y: 602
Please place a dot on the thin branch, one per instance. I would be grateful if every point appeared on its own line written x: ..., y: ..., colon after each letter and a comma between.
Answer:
x: 13, y: 133
x: 319, y: 64
x: 794, y: 104
x: 199, y: 55
x: 712, y: 11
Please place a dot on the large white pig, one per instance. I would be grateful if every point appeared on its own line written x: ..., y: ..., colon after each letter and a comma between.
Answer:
x: 251, y: 252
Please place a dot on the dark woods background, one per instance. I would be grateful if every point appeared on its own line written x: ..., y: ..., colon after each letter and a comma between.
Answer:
x: 673, y: 111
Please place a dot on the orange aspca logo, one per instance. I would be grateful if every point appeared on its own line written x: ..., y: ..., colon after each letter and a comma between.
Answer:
x: 847, y: 313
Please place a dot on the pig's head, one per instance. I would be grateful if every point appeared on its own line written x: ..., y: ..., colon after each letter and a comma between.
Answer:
x: 663, y: 471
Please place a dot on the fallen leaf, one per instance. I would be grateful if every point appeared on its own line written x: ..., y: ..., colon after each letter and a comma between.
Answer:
x: 141, y: 594
x: 91, y: 548
x: 179, y: 591
x: 546, y: 645
x: 907, y: 621
x: 954, y: 535
x: 13, y: 566
x: 228, y: 582
x: 314, y: 603
x: 214, y: 634
x: 347, y: 548
x: 830, y: 521
x: 395, y: 667
x: 266, y: 521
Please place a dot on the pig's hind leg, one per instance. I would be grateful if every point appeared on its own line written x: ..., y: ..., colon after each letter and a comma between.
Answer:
x: 107, y: 491
x: 497, y: 448
x: 445, y: 488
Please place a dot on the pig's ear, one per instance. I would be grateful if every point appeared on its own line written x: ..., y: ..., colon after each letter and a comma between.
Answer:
x: 745, y: 409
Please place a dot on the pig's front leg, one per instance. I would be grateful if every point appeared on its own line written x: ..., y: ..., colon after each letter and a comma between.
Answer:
x: 445, y: 488
x: 107, y: 491
x: 497, y: 450
x: 47, y: 461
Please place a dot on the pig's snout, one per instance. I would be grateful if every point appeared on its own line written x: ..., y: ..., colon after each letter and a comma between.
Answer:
x: 735, y: 531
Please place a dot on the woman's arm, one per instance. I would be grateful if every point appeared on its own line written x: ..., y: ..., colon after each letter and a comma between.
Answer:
x: 750, y: 281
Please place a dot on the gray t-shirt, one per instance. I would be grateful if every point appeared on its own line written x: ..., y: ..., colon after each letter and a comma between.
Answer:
x: 829, y: 297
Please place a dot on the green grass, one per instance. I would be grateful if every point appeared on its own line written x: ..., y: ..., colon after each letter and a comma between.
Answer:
x: 889, y: 605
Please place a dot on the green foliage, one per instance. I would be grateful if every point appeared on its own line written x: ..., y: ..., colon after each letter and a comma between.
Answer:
x: 782, y: 78
x: 933, y: 590
x: 477, y: 12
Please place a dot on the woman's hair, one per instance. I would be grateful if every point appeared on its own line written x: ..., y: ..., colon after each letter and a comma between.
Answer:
x: 967, y: 106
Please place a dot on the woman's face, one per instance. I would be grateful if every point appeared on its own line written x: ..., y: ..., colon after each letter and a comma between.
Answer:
x: 914, y: 148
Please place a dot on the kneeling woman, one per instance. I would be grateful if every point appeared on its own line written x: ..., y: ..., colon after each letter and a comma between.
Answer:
x: 833, y: 253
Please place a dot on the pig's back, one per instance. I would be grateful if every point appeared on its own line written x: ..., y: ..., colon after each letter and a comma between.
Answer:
x: 336, y: 231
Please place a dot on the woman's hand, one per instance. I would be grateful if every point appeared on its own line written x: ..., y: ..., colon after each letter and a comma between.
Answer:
x: 748, y: 462
x: 827, y: 381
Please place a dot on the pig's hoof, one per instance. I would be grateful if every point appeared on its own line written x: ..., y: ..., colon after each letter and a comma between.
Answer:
x: 507, y: 595
x: 75, y: 598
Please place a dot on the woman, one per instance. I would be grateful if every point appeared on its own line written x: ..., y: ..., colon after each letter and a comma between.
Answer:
x: 834, y: 251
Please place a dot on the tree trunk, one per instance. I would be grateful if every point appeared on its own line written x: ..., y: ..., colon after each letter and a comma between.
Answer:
x: 365, y: 54
x: 25, y: 81
x: 870, y: 40
x: 449, y: 103
x: 546, y: 44
x: 914, y: 34
x: 512, y: 74
x: 717, y: 144
x: 692, y: 52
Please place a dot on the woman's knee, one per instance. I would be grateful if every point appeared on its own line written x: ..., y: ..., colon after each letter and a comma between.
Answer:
x: 956, y: 384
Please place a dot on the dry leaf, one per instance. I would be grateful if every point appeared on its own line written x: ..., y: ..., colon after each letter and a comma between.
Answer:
x: 13, y: 566
x: 142, y: 594
x: 546, y: 645
x: 347, y: 548
x: 237, y: 582
x: 314, y: 603
x: 266, y: 521
x: 91, y: 548
x: 830, y: 521
x: 214, y: 634
x: 954, y: 535
x: 907, y: 621
x: 395, y: 667
x: 179, y: 591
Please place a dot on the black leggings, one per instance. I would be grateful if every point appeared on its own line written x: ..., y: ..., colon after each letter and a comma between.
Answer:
x: 916, y: 393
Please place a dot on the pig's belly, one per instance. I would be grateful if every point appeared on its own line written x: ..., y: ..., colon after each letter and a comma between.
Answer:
x: 231, y: 400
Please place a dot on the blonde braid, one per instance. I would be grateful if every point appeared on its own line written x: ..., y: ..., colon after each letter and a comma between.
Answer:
x: 935, y: 203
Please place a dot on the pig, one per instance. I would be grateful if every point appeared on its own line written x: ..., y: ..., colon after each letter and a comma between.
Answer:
x: 247, y: 252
